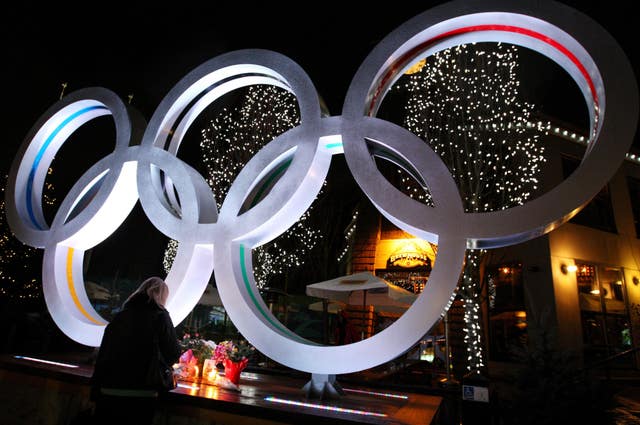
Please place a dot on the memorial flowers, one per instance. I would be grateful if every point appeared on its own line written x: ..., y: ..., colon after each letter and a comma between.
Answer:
x: 234, y: 358
x: 198, y: 354
x: 200, y: 348
x: 195, y: 351
x: 228, y: 350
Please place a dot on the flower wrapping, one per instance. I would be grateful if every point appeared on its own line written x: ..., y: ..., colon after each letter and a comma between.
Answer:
x: 187, y: 358
x: 233, y: 369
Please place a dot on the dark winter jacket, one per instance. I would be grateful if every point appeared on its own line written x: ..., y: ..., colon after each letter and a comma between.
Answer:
x: 128, y: 345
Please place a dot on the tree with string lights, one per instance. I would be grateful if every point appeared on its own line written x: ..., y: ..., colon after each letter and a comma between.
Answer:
x: 20, y: 264
x: 227, y: 143
x: 466, y: 104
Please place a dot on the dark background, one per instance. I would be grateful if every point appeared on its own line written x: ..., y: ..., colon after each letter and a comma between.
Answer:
x: 145, y: 49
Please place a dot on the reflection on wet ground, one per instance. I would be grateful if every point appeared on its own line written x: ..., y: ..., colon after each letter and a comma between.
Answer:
x: 627, y: 410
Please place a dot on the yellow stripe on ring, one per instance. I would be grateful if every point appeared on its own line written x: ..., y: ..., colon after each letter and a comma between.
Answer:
x: 72, y: 288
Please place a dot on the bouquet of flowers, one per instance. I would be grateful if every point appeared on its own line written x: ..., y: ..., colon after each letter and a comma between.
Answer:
x: 195, y: 351
x: 200, y: 348
x: 234, y: 357
x: 228, y: 350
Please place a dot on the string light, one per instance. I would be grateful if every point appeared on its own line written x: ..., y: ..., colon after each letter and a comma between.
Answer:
x: 19, y: 277
x: 324, y: 407
x: 45, y: 361
x: 227, y: 143
x: 349, y: 236
x: 491, y: 289
x: 465, y: 103
x: 388, y: 395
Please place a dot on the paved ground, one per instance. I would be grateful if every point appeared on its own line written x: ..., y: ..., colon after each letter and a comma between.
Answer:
x: 627, y: 411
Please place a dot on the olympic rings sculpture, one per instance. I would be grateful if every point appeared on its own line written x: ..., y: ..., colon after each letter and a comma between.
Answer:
x: 292, y: 168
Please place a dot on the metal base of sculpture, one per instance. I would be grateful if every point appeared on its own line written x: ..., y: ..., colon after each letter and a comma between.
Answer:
x: 323, y: 387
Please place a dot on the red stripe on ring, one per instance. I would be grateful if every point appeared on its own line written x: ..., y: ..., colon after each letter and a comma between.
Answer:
x: 490, y: 27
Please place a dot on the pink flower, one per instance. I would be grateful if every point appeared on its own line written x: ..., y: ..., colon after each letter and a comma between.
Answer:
x: 220, y: 353
x: 188, y: 358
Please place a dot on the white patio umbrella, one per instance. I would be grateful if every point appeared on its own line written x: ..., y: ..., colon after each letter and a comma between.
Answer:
x: 392, y: 295
x: 341, y: 287
x: 333, y: 307
x: 363, y: 289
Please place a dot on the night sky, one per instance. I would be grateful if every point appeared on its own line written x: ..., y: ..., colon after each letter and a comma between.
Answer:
x: 144, y: 50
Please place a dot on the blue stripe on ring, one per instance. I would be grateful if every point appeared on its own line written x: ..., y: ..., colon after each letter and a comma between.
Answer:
x: 38, y: 158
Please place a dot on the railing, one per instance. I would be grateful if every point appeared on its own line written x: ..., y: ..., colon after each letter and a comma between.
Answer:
x: 608, y: 360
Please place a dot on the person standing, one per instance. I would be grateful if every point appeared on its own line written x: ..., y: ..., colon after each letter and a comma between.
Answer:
x: 137, y: 333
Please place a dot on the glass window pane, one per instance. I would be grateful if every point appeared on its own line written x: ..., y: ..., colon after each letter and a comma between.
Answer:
x: 593, y: 329
x: 618, y: 333
x: 612, y: 289
x: 507, y: 315
x: 588, y: 288
x: 605, y: 321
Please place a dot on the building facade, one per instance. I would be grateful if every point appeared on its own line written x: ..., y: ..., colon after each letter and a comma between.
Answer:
x: 575, y: 289
x: 579, y: 284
